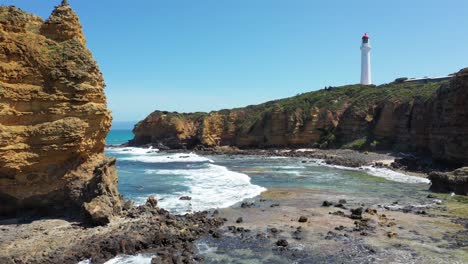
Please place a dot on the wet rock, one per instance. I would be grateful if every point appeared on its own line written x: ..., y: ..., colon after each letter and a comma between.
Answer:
x: 185, y: 198
x: 340, y: 228
x: 356, y: 213
x: 247, y: 205
x: 274, y: 230
x: 340, y: 205
x: 239, y: 220
x: 302, y: 219
x: 338, y: 213
x: 275, y: 205
x: 327, y: 204
x: 282, y: 243
x: 455, y: 181
x: 342, y: 201
x: 152, y: 202
x: 371, y: 211
x: 391, y: 234
x: 431, y: 196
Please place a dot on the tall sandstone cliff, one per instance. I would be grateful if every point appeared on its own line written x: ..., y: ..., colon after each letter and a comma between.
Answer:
x: 429, y: 118
x: 53, y: 117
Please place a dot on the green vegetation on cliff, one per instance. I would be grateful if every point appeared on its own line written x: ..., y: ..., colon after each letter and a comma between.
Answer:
x: 414, y: 116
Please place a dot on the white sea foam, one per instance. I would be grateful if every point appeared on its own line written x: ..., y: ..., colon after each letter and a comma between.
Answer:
x: 126, y: 259
x: 164, y: 158
x: 209, y: 187
x: 380, y: 172
x: 394, y: 176
x: 133, y: 150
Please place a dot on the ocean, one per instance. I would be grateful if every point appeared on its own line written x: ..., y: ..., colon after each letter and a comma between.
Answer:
x: 223, y: 180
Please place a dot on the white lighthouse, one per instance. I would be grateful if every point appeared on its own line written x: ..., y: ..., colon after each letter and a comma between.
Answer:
x: 365, y: 61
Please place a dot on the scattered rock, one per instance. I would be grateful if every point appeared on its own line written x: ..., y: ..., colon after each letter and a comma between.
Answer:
x: 185, y: 198
x: 152, y: 202
x: 391, y: 234
x: 239, y: 220
x: 327, y: 204
x: 302, y: 219
x: 356, y: 213
x: 371, y: 211
x: 273, y: 230
x: 275, y: 205
x: 342, y: 201
x: 282, y: 243
x: 247, y: 205
x: 338, y: 213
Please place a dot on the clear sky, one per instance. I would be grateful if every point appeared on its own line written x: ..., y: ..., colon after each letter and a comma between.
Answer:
x: 187, y: 55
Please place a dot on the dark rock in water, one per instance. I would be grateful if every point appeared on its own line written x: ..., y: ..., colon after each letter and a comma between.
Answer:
x: 327, y: 204
x: 239, y: 220
x: 282, y: 243
x: 455, y: 181
x: 215, y: 212
x: 371, y: 211
x: 216, y: 234
x: 340, y: 205
x: 339, y: 228
x: 302, y: 219
x: 275, y: 205
x: 391, y: 234
x: 342, y: 201
x: 356, y: 213
x: 338, y: 213
x: 247, y: 205
x: 431, y: 196
x: 185, y: 198
x: 274, y: 230
x: 152, y: 202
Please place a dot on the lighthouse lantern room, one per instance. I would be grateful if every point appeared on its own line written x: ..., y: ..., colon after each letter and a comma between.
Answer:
x: 365, y: 61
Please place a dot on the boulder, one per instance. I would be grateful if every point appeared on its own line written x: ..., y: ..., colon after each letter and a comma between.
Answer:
x: 455, y: 181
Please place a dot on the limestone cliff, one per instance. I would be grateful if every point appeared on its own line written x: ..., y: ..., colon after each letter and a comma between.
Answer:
x: 430, y: 118
x: 53, y: 116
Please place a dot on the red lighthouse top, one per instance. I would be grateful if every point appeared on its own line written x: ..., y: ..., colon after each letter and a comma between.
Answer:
x: 365, y: 36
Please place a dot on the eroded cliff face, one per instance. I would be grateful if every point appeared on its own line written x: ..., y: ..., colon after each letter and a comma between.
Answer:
x: 427, y: 118
x: 53, y: 115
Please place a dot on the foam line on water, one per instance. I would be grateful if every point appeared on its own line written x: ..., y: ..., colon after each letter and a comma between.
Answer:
x: 132, y: 150
x: 167, y: 158
x: 211, y: 186
x: 379, y: 172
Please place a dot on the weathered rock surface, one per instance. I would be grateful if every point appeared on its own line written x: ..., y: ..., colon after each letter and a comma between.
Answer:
x: 431, y: 119
x: 456, y: 181
x: 147, y: 229
x: 53, y: 117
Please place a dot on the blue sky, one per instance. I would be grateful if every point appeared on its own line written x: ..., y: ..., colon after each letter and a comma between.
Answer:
x: 186, y: 55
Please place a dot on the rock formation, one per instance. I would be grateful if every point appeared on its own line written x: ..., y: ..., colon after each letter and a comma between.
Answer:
x: 456, y: 181
x: 428, y: 118
x: 53, y: 118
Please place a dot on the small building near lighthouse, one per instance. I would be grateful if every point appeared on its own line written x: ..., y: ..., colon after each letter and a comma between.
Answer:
x: 366, y: 77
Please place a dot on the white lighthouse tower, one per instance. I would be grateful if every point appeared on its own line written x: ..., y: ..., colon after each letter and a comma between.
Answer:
x: 365, y: 61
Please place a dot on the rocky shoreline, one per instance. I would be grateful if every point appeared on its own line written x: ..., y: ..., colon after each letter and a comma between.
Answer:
x: 142, y: 229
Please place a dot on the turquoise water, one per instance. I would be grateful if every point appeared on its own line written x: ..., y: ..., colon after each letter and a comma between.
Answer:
x: 221, y: 181
x: 118, y: 136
